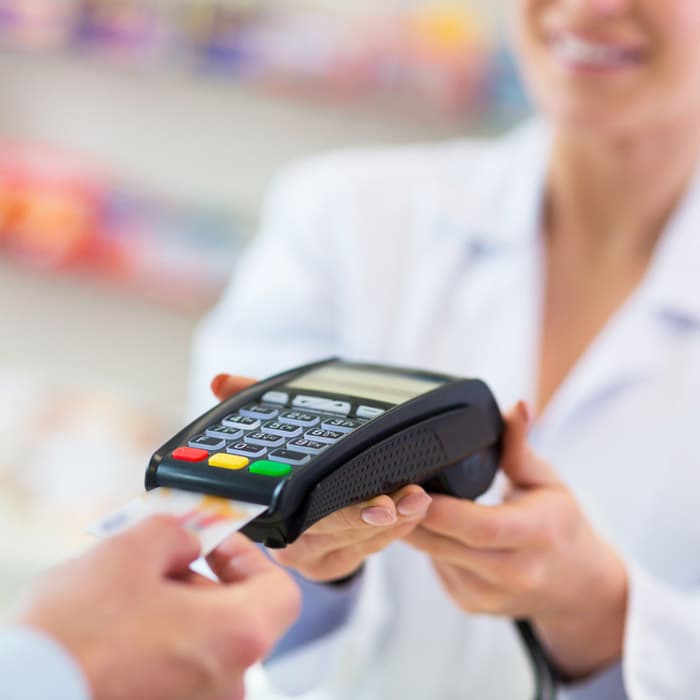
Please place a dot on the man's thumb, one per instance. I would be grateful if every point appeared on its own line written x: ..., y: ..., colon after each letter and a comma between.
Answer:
x: 518, y: 461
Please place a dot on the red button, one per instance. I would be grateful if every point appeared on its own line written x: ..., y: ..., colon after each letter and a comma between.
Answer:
x: 190, y: 454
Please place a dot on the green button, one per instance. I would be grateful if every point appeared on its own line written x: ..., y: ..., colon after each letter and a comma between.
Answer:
x: 268, y: 468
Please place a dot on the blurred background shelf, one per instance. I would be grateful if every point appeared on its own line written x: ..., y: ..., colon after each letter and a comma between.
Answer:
x: 203, y: 99
x: 204, y: 140
x: 443, y: 56
x: 137, y: 138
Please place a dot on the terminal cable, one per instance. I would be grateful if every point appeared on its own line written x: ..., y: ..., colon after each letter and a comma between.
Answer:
x: 546, y: 677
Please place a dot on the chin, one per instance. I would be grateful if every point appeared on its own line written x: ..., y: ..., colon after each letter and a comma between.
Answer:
x: 590, y: 118
x: 588, y: 123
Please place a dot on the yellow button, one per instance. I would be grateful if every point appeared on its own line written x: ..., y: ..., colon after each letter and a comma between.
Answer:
x: 225, y: 461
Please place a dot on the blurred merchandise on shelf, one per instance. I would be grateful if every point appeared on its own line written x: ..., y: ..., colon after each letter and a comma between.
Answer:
x: 126, y: 30
x: 90, y: 459
x: 59, y: 213
x: 39, y: 23
x: 444, y: 54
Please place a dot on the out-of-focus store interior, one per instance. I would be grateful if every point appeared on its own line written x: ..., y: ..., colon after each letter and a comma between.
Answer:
x: 136, y: 141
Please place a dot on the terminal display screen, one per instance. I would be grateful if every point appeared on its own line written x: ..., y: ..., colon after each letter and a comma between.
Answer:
x: 360, y: 382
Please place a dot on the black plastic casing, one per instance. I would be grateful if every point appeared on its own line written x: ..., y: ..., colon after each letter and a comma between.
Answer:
x: 448, y: 440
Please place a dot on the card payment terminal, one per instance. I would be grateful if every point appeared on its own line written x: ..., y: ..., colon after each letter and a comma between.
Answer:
x: 313, y: 440
x: 310, y: 441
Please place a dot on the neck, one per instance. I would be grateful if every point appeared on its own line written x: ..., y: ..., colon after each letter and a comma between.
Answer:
x: 612, y: 198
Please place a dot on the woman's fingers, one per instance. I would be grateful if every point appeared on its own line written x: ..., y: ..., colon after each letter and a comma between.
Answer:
x: 494, y: 566
x: 379, y: 512
x: 480, y: 526
x: 519, y: 462
x: 226, y: 385
x: 338, y: 544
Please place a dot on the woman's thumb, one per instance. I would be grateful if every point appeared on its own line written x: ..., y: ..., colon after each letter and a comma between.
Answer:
x: 518, y: 461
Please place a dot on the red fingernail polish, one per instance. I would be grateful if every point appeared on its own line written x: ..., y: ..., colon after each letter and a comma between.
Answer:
x: 526, y: 411
x: 218, y: 382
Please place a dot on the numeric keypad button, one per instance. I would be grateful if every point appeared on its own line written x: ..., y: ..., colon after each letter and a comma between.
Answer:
x: 309, y: 446
x: 264, y: 439
x: 283, y: 429
x: 340, y: 425
x: 277, y: 397
x: 369, y: 412
x: 225, y: 432
x: 289, y: 457
x: 320, y: 435
x: 204, y: 442
x: 258, y: 411
x: 245, y: 450
x: 319, y: 403
x: 300, y: 418
x: 236, y: 420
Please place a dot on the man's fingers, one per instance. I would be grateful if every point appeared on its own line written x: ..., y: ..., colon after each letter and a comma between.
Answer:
x: 237, y: 559
x: 226, y: 385
x: 162, y: 542
x: 266, y: 592
x: 194, y: 579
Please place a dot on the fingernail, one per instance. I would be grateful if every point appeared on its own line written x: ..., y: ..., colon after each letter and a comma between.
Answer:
x: 218, y: 382
x: 414, y: 504
x: 526, y: 412
x: 231, y: 547
x: 245, y: 563
x: 378, y: 516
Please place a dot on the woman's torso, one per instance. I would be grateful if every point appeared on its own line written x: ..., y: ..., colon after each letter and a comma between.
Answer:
x: 436, y: 262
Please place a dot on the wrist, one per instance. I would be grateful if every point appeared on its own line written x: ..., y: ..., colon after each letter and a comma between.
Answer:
x: 27, y: 647
x: 345, y: 580
x: 589, y: 639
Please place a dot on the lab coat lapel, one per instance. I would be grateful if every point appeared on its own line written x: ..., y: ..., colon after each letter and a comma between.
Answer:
x: 628, y: 350
x: 495, y: 309
x: 479, y: 270
x: 641, y: 336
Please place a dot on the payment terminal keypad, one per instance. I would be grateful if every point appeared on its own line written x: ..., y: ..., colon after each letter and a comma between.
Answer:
x: 275, y: 435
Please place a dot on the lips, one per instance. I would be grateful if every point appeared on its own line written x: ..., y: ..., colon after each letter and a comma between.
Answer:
x: 579, y: 52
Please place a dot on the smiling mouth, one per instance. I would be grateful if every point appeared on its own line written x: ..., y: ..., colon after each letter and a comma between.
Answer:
x: 577, y: 52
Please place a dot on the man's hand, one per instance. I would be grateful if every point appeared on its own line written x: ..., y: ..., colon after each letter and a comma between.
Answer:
x: 536, y: 556
x: 141, y: 625
x: 336, y: 546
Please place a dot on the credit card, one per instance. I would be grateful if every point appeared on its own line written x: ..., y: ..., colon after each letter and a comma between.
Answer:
x: 211, y: 518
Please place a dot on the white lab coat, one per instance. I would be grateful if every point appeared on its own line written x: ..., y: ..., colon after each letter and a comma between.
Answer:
x: 431, y: 257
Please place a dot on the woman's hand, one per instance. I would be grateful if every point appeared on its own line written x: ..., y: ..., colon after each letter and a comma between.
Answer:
x: 536, y: 556
x: 337, y: 546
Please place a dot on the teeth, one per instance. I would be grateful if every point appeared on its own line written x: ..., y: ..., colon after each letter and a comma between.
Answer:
x: 572, y: 49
